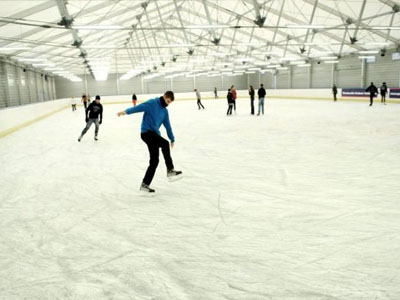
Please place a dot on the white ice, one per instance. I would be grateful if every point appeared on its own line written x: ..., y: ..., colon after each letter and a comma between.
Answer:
x: 301, y: 203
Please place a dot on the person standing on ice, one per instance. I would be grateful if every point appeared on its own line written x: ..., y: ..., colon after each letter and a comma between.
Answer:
x: 198, y: 99
x: 155, y: 114
x: 73, y: 103
x: 334, y: 92
x: 234, y: 96
x: 229, y: 97
x: 251, y: 93
x: 383, y: 90
x: 134, y: 99
x: 373, y: 91
x: 92, y: 114
x: 261, y: 94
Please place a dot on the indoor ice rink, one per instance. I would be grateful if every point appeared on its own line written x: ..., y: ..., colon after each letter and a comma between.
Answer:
x: 299, y: 202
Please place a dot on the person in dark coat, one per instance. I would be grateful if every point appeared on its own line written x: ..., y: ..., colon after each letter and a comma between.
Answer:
x: 229, y: 97
x: 373, y: 91
x: 261, y: 94
x: 251, y: 93
x: 134, y: 99
x: 334, y: 91
x: 384, y: 90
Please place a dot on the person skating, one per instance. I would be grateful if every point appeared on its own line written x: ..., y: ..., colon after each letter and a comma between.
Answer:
x: 229, y: 97
x: 155, y: 114
x: 134, y: 99
x: 334, y: 91
x: 383, y: 90
x: 261, y: 94
x: 92, y: 113
x: 234, y: 96
x: 198, y: 96
x: 373, y: 91
x: 73, y: 103
x: 84, y: 100
x: 251, y: 93
x: 215, y: 93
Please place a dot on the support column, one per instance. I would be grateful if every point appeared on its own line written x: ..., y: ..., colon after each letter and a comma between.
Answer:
x: 310, y: 76
x: 6, y: 88
x: 363, y: 72
x: 86, y: 88
x: 116, y: 69
x: 18, y: 85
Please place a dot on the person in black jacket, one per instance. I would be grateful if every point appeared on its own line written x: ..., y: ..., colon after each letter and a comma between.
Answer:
x: 92, y: 114
x: 384, y: 90
x: 229, y: 96
x: 251, y: 93
x: 261, y: 95
x: 373, y: 91
x: 134, y: 99
x: 334, y: 91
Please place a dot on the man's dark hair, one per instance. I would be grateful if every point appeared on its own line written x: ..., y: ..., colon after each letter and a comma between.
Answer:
x: 170, y: 95
x: 261, y: 85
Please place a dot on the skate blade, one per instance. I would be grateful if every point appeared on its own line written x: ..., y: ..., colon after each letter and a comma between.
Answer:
x: 146, y: 194
x: 175, y: 178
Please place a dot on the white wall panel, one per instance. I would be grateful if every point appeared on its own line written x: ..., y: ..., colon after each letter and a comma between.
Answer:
x: 23, y: 86
x: 12, y: 85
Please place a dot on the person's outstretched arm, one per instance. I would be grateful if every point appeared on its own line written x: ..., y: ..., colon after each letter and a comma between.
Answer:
x: 131, y: 110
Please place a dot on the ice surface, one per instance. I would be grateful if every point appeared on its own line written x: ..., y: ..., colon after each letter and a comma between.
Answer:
x: 301, y: 203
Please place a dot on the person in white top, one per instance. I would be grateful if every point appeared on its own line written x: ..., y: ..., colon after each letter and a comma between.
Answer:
x: 73, y: 103
x: 198, y: 99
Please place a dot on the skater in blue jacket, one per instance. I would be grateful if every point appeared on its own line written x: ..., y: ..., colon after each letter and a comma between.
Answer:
x: 155, y: 114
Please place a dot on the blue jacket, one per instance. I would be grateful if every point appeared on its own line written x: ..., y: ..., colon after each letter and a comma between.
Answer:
x: 154, y: 115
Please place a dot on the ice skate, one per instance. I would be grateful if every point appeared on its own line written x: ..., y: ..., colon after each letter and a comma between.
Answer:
x: 95, y: 138
x: 146, y: 190
x: 79, y: 138
x: 174, y: 175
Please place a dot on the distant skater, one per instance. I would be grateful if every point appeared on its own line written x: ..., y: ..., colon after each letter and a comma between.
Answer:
x: 251, y: 93
x: 234, y: 96
x: 84, y: 100
x: 134, y: 99
x: 215, y: 93
x: 198, y: 99
x: 261, y: 94
x: 73, y: 103
x: 155, y: 114
x: 334, y: 91
x: 229, y: 97
x: 373, y: 91
x: 384, y: 91
x: 92, y: 114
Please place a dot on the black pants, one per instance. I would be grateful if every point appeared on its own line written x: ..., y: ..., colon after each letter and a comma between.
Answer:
x: 334, y: 97
x: 371, y: 99
x: 85, y: 104
x: 252, y: 105
x: 229, y: 111
x: 234, y: 105
x: 73, y: 107
x: 199, y: 104
x: 154, y: 142
x: 383, y: 97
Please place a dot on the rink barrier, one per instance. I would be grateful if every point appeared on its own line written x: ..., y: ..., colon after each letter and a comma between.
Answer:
x: 27, y: 123
x: 128, y: 102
